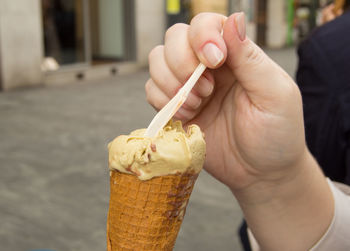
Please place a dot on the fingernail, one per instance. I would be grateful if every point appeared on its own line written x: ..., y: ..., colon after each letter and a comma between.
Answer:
x: 240, y: 26
x: 213, y: 54
x: 193, y: 101
x: 205, y: 87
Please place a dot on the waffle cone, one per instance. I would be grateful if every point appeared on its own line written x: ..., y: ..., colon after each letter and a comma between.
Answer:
x: 146, y: 215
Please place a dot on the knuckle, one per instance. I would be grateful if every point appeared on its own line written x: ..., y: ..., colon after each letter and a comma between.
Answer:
x: 149, y: 100
x: 255, y: 56
x: 154, y: 52
x: 147, y: 87
x: 252, y: 58
x: 175, y: 29
x: 207, y: 16
x: 150, y: 95
x: 158, y: 104
x: 198, y: 17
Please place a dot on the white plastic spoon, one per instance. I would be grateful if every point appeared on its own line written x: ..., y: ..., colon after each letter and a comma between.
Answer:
x: 169, y: 110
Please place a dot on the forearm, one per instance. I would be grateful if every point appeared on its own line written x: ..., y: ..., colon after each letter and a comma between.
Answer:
x: 297, y: 212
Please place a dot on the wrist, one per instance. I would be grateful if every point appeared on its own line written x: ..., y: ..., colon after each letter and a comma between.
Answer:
x: 302, y: 201
x: 277, y: 185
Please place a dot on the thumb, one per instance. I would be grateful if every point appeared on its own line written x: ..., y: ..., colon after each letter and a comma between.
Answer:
x: 264, y: 81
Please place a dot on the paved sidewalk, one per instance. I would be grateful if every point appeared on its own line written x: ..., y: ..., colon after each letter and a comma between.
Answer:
x: 54, y: 188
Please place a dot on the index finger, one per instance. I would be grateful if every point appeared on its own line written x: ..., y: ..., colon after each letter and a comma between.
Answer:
x: 206, y: 39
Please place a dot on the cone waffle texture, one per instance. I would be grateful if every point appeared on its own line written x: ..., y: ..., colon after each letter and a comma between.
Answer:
x: 146, y: 215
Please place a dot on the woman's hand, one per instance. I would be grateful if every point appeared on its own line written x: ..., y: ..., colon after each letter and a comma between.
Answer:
x: 249, y: 109
x: 251, y: 113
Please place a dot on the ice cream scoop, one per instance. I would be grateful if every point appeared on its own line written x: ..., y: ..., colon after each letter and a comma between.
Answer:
x: 172, y: 151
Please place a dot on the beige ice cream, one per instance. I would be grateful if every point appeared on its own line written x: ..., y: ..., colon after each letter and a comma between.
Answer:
x: 151, y: 180
x: 173, y: 151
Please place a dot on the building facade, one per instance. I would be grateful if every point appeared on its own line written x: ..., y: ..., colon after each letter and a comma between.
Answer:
x: 62, y: 41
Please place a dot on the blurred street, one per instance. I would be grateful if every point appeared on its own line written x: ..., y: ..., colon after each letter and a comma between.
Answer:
x: 54, y: 185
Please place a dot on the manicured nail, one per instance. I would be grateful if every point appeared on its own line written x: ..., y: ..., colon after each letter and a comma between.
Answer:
x: 193, y: 101
x: 240, y: 26
x: 213, y: 54
x: 205, y: 87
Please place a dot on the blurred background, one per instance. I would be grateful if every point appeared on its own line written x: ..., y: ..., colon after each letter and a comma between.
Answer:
x: 72, y: 76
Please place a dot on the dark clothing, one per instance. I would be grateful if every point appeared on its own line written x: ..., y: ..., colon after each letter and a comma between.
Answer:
x: 324, y: 79
x: 243, y: 234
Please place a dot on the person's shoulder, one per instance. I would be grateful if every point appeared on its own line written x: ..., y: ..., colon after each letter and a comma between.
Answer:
x: 329, y: 36
x: 340, y: 26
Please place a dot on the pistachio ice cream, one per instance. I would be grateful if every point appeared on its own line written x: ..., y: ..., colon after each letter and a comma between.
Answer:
x: 173, y: 151
x: 151, y: 180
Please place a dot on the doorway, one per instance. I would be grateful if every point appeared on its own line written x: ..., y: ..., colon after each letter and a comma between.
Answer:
x: 87, y: 32
x: 64, y: 32
x: 112, y: 31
